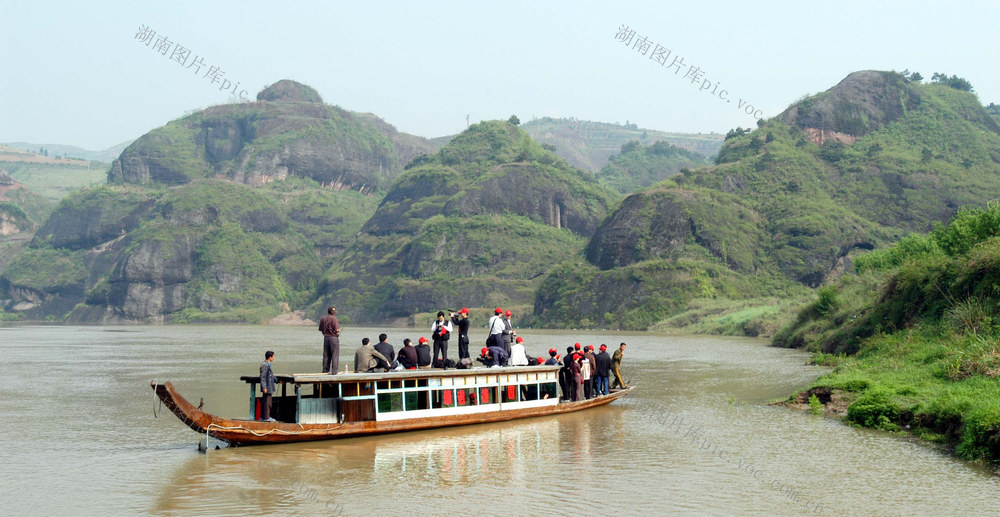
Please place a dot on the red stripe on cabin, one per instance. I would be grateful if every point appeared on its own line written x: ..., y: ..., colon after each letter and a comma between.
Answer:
x: 461, y: 397
x: 512, y: 392
x: 447, y: 397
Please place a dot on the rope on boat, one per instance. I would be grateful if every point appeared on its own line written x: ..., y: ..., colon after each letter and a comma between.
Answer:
x: 279, y: 431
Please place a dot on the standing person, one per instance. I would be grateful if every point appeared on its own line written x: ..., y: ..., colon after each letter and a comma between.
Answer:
x: 423, y: 353
x: 603, y: 370
x: 496, y: 326
x: 267, y: 381
x: 517, y: 355
x: 553, y: 358
x: 441, y: 332
x: 330, y: 328
x: 385, y: 349
x: 461, y: 320
x: 588, y: 381
x: 408, y: 355
x: 577, y: 377
x: 585, y: 374
x: 566, y: 375
x: 507, y: 332
x: 366, y: 358
x: 616, y: 366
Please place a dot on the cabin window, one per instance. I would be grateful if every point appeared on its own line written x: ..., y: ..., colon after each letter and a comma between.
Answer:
x: 465, y: 397
x: 416, y: 400
x: 487, y: 395
x: 548, y: 390
x: 442, y: 398
x: 529, y: 392
x: 410, y: 383
x: 509, y: 393
x: 396, y: 384
x: 389, y: 402
x: 383, y: 385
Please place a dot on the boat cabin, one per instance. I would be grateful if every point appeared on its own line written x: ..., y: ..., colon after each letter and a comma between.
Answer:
x: 397, y: 395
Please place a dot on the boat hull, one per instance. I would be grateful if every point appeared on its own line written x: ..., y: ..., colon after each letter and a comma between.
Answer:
x: 251, y: 432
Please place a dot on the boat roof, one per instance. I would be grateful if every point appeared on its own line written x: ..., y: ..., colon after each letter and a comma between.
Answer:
x: 315, y: 378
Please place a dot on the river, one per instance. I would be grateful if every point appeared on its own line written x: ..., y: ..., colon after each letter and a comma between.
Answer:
x: 79, y: 437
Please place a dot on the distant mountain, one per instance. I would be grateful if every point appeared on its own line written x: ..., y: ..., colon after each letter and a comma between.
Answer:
x: 229, y: 214
x: 588, y: 145
x: 288, y: 132
x: 72, y: 151
x: 477, y: 223
x: 639, y: 166
x: 787, y: 205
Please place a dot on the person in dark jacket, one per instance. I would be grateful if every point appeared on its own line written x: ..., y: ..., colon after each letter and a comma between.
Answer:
x: 330, y: 328
x: 385, y: 349
x: 441, y: 332
x: 267, y: 382
x: 553, y: 357
x: 603, y: 370
x: 495, y: 356
x: 565, y: 375
x: 423, y: 353
x: 460, y: 320
x: 408, y: 355
x: 588, y: 381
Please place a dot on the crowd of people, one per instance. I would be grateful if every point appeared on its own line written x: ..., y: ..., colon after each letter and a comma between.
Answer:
x: 584, y: 372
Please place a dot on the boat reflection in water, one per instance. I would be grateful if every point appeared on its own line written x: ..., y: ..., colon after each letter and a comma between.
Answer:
x: 518, y: 460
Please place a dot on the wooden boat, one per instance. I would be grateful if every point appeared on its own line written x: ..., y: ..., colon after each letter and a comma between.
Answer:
x: 324, y: 406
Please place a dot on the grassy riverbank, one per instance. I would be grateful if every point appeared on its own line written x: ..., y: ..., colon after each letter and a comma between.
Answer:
x: 915, y: 337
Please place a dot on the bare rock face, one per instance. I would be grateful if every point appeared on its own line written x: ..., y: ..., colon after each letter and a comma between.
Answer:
x: 644, y: 226
x: 150, y: 282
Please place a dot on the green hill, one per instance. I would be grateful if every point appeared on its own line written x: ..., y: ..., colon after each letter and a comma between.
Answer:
x: 288, y: 132
x: 921, y: 322
x: 208, y: 250
x: 639, y: 166
x: 477, y: 223
x: 787, y: 205
x: 588, y: 145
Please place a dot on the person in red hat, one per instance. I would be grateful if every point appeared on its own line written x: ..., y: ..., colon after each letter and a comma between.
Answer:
x: 423, y: 353
x: 553, y: 359
x: 495, y: 327
x: 576, y: 377
x: 517, y: 355
x: 602, y: 371
x: 460, y: 321
x: 566, y: 375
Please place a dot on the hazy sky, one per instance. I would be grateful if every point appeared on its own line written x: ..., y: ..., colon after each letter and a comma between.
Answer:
x: 74, y: 72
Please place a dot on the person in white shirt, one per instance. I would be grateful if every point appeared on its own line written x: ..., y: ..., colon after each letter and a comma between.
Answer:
x: 496, y: 326
x: 517, y: 355
x: 441, y: 331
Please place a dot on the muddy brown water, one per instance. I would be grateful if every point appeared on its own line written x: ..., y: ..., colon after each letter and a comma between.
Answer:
x: 79, y: 438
